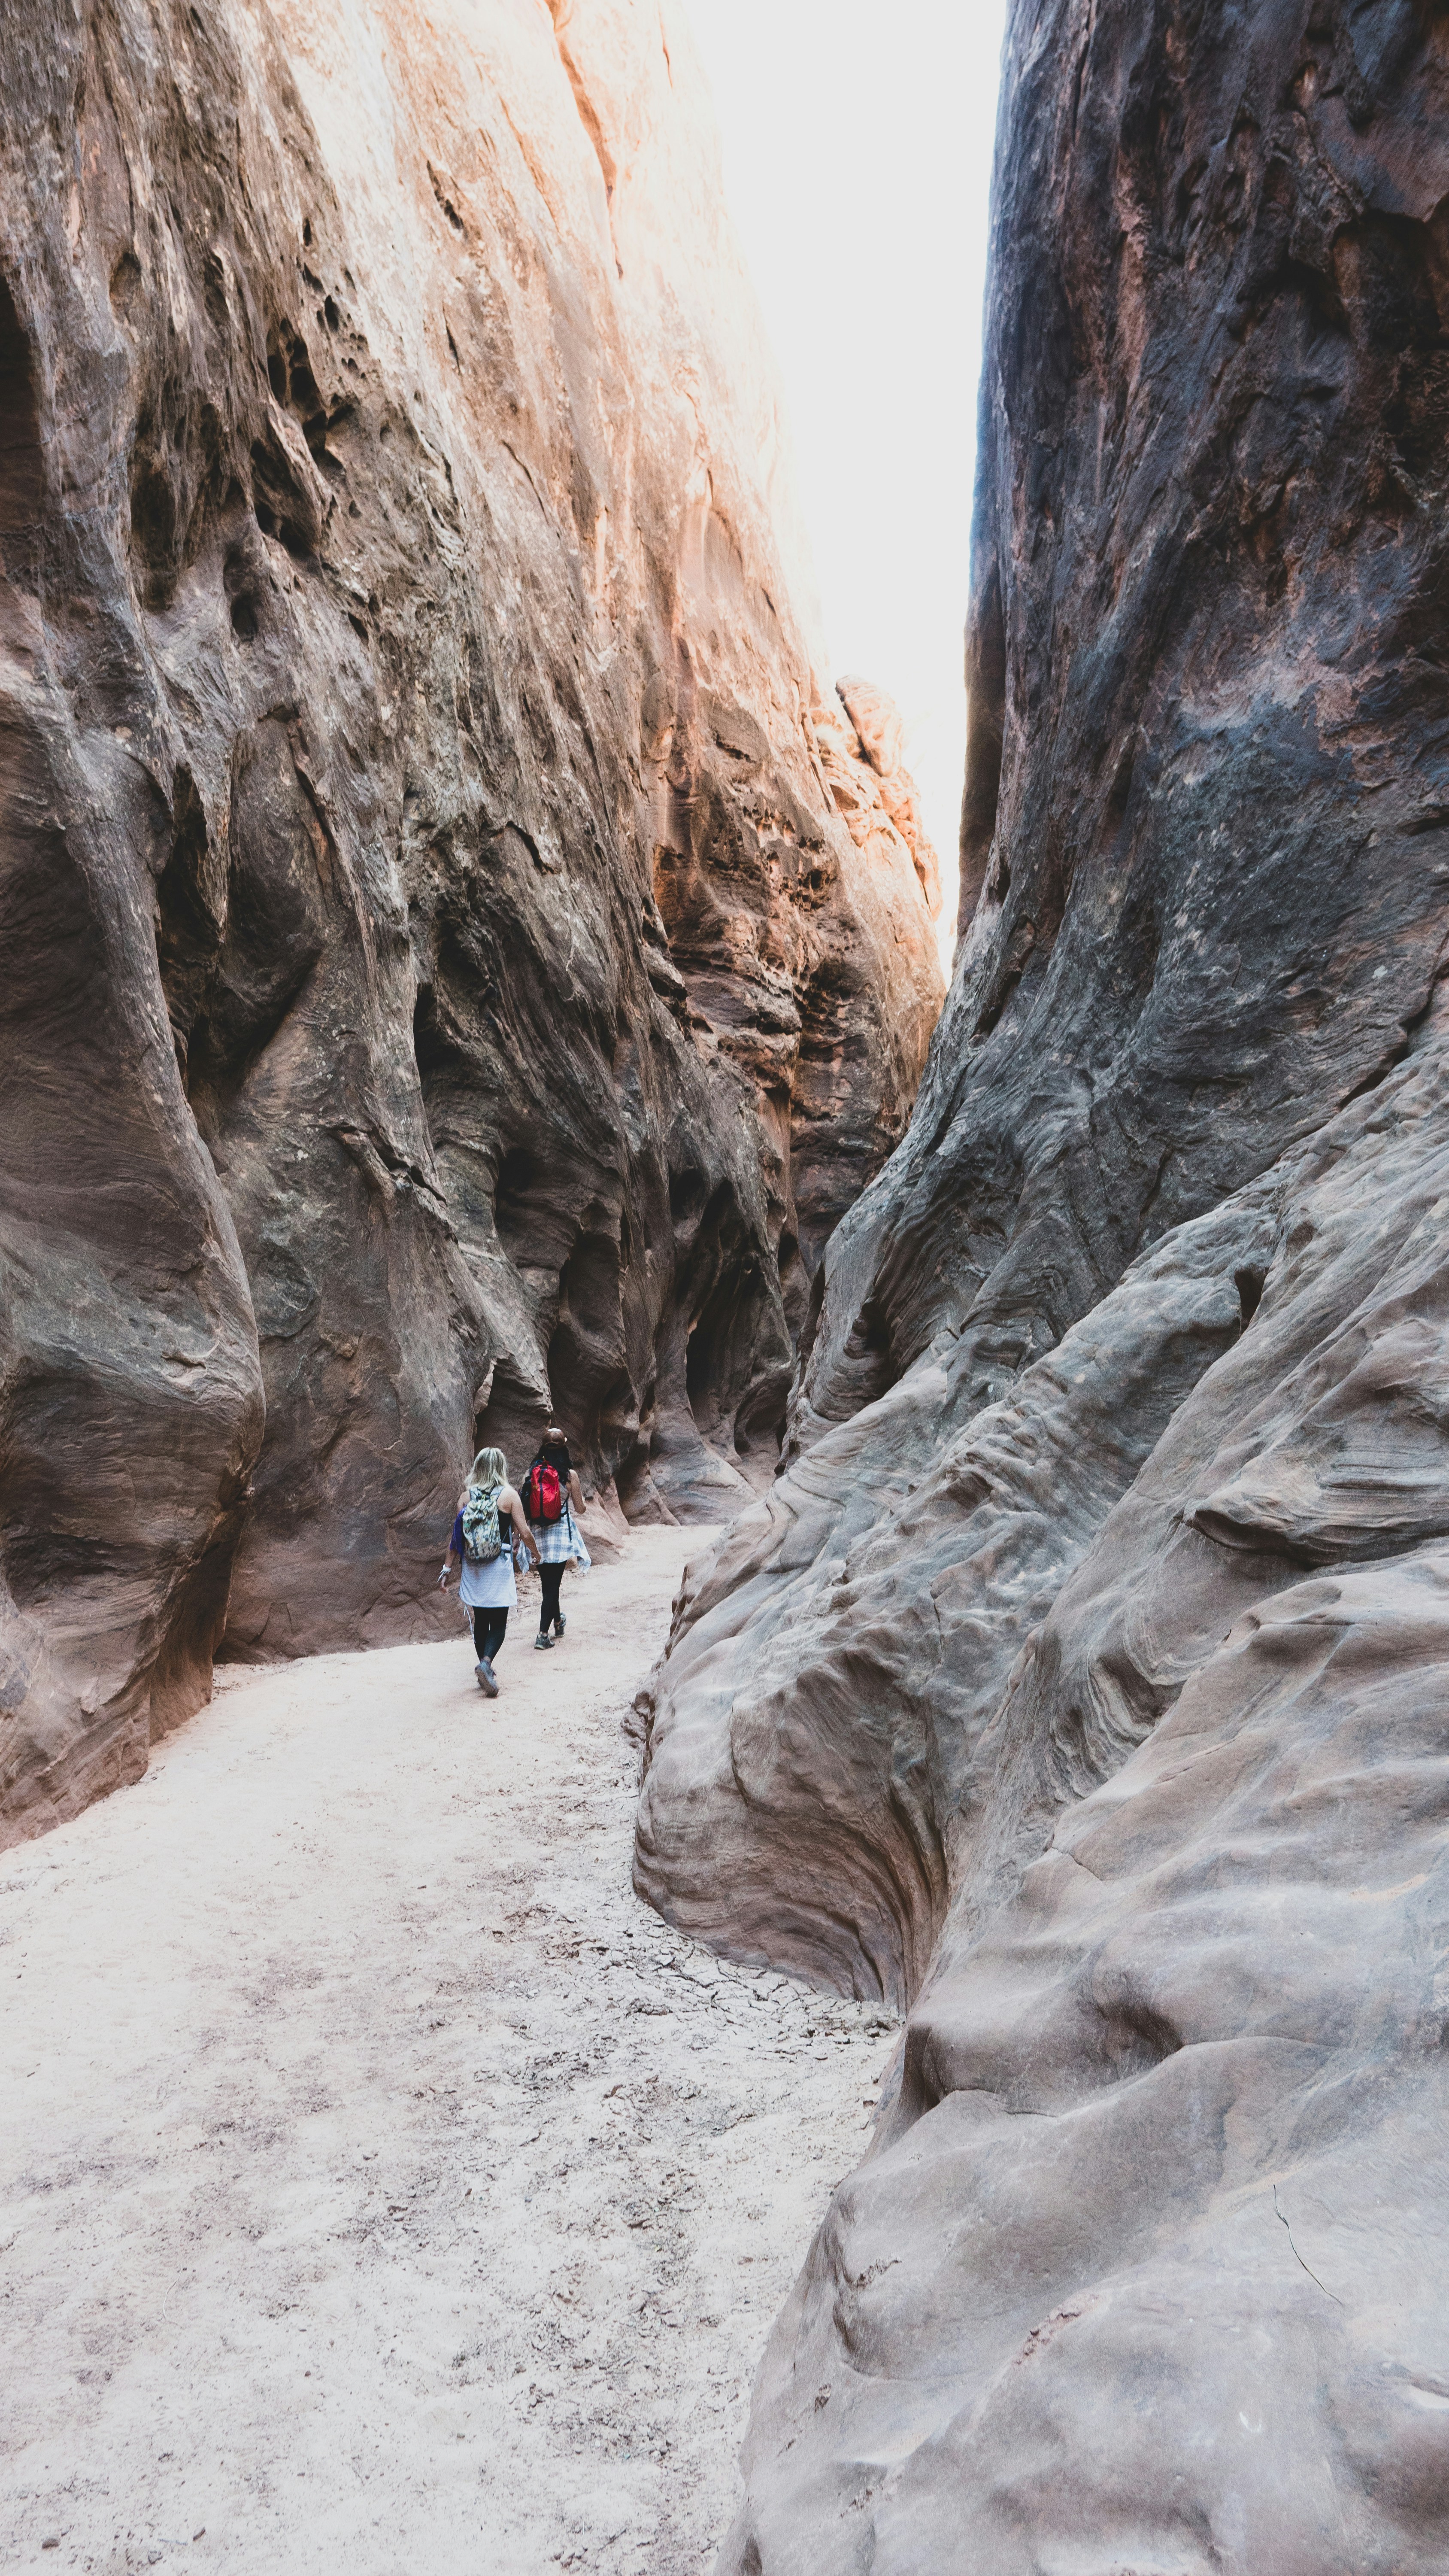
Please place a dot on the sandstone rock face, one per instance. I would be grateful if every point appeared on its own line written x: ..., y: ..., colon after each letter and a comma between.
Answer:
x: 1080, y: 1679
x: 1147, y: 2267
x: 440, y: 985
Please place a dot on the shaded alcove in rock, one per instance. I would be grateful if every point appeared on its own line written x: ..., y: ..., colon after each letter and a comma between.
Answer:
x: 22, y: 472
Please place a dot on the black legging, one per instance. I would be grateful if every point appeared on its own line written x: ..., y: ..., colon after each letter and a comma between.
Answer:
x: 550, y: 1577
x: 490, y: 1627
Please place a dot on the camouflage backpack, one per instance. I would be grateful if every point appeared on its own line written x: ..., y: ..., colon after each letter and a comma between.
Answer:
x: 482, y: 1537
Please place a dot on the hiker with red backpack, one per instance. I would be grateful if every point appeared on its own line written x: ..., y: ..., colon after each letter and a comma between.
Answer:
x: 487, y: 1534
x: 552, y: 1495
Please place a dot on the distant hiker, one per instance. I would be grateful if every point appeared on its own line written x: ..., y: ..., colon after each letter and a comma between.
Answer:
x: 483, y: 1543
x: 552, y: 1495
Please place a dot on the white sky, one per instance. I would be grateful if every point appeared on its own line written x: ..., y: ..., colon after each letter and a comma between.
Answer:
x: 857, y: 144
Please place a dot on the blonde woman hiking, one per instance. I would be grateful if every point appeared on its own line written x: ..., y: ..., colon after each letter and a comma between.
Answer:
x: 483, y: 1544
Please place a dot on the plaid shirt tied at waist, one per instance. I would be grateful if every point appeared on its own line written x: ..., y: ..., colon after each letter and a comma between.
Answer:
x: 556, y: 1541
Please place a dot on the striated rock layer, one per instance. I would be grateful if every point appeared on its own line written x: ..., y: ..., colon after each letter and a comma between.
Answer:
x: 446, y: 979
x: 1080, y: 1684
x: 1147, y: 2266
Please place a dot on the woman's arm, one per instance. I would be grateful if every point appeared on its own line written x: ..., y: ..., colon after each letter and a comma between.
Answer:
x: 455, y: 1550
x: 576, y: 1491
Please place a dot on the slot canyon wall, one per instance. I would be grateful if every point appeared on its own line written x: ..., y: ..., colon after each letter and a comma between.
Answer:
x: 1080, y: 1685
x: 460, y: 960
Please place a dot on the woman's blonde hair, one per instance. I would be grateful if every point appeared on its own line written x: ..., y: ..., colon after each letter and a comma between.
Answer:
x: 489, y: 1468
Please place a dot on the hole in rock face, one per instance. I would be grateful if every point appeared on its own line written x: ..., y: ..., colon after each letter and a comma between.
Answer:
x: 306, y: 401
x: 283, y: 507
x: 870, y: 1335
x: 1249, y: 1285
x: 125, y: 280
x: 239, y: 577
x: 274, y: 486
x: 1137, y: 2039
x: 687, y: 1194
x: 629, y: 1474
x: 153, y: 530
x: 21, y: 481
x: 430, y: 1047
x: 989, y: 1017
x: 512, y: 1208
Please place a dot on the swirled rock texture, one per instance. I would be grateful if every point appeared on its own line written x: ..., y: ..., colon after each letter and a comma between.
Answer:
x: 442, y: 986
x: 1080, y: 1683
x: 1146, y: 2268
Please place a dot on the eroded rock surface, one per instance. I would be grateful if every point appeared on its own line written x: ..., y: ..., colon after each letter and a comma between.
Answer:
x: 1080, y: 1678
x: 441, y: 985
x: 1147, y: 2266
x: 1205, y: 854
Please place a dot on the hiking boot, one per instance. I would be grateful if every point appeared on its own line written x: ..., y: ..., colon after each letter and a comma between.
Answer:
x: 487, y: 1679
x: 559, y: 1625
x: 541, y: 1640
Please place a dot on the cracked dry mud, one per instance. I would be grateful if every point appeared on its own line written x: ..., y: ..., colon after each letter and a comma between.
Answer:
x: 383, y: 2185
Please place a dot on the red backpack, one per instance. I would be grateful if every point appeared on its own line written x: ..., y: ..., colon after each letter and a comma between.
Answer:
x: 543, y: 1498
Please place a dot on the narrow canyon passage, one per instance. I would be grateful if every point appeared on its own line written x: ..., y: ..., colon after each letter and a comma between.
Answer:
x: 381, y: 2185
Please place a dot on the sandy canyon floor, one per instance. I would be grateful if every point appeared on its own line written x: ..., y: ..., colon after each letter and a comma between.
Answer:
x: 382, y: 2187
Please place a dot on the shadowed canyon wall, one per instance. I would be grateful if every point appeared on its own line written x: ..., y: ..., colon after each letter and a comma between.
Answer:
x: 1080, y: 1683
x: 460, y: 962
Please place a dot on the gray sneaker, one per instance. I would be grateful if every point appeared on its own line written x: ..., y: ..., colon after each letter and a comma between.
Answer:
x: 540, y: 1641
x: 487, y: 1679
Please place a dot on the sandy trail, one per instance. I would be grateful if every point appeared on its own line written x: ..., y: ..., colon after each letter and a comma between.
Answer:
x: 381, y: 2186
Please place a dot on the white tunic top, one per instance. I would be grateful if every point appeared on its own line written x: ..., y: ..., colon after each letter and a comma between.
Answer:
x: 491, y: 1586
